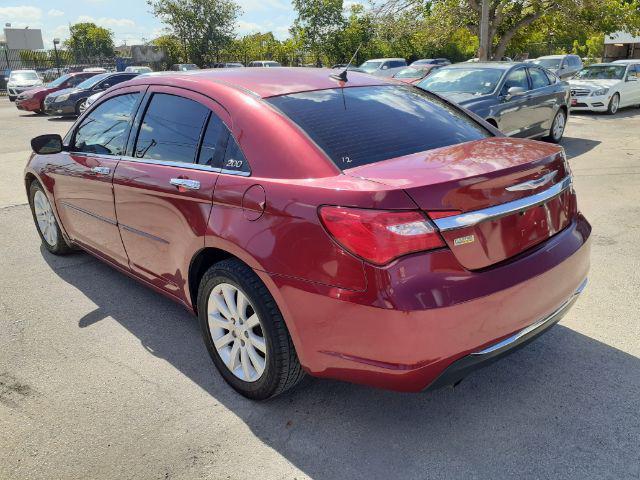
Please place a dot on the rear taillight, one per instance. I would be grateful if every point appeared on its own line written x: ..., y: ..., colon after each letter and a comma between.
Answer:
x: 379, y: 236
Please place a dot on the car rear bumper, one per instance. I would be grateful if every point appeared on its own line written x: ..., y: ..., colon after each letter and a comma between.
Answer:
x: 424, y: 312
x: 459, y: 369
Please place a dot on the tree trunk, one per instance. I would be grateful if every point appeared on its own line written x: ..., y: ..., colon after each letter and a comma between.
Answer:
x: 503, y: 43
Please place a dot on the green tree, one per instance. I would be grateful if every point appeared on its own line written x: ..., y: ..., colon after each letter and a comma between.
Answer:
x: 89, y: 41
x: 203, y: 27
x: 507, y: 18
x: 172, y: 48
x: 318, y: 26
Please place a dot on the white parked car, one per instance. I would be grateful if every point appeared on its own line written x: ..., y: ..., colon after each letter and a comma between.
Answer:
x: 606, y: 87
x: 137, y: 69
x: 21, y: 80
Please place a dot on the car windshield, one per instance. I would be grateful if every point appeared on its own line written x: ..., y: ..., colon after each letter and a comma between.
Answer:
x: 91, y: 81
x: 18, y: 76
x: 477, y: 81
x: 547, y: 62
x: 362, y: 125
x: 602, y: 72
x: 410, y: 73
x: 369, y: 66
x: 59, y: 81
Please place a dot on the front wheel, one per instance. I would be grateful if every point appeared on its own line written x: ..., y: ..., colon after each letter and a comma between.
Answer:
x: 614, y: 104
x: 557, y: 127
x: 81, y: 106
x: 245, y: 333
x: 46, y: 222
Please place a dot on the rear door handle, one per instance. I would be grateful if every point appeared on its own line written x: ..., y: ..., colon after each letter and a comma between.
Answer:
x: 101, y: 170
x: 185, y: 183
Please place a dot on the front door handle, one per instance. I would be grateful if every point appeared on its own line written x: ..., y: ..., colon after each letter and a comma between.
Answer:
x: 101, y: 170
x: 185, y: 183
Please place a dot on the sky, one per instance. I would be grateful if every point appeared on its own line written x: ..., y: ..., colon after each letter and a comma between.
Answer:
x: 130, y: 20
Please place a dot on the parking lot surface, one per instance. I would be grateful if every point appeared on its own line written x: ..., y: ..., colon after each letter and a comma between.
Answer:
x: 103, y: 378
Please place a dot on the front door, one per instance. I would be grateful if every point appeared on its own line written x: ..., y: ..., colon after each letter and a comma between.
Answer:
x: 515, y: 117
x: 164, y: 188
x: 83, y: 186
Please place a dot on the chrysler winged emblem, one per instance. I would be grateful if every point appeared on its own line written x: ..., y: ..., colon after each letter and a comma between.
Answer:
x: 531, y: 184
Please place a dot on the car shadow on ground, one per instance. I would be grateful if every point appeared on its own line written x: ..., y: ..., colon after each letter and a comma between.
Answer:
x: 574, y: 146
x: 566, y: 406
x: 61, y: 119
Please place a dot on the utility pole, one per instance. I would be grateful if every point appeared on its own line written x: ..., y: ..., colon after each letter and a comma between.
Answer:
x: 485, y: 41
x: 56, y: 41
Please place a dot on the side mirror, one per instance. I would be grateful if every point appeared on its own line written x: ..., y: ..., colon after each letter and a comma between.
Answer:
x: 515, y: 92
x: 47, y: 144
x: 384, y: 67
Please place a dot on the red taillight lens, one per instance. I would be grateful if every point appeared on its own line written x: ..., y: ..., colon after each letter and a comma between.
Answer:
x: 380, y: 236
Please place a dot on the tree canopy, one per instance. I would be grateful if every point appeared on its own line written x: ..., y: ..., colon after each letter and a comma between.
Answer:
x: 203, y: 27
x: 88, y: 41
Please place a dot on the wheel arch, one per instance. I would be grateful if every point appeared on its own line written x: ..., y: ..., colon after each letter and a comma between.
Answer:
x: 199, y: 264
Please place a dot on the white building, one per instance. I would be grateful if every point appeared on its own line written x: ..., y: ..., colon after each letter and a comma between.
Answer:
x: 621, y: 45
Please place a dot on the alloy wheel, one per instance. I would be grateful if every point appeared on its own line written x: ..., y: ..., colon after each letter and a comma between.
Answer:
x: 45, y: 218
x: 558, y: 126
x: 236, y: 332
x: 615, y: 103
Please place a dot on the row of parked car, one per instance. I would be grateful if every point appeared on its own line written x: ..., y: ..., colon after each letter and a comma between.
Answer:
x: 529, y: 99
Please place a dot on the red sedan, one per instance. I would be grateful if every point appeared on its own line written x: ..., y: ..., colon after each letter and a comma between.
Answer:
x: 32, y: 100
x: 366, y: 231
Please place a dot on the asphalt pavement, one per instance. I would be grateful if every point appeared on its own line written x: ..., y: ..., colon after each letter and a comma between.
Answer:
x: 102, y: 378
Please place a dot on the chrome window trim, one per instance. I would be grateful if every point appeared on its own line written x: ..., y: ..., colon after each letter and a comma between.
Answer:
x: 191, y: 166
x: 473, y: 218
x: 534, y: 326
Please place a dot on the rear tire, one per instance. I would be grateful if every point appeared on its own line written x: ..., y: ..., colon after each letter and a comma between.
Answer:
x: 557, y: 127
x: 614, y: 104
x: 46, y: 222
x: 12, y: 99
x: 254, y: 333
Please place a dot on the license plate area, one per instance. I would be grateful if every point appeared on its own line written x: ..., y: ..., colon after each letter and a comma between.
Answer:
x: 498, y: 239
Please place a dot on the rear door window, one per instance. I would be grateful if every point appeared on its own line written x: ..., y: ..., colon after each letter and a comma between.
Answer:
x: 361, y: 125
x: 171, y: 129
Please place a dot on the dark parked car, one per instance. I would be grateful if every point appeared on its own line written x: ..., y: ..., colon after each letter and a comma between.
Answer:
x: 564, y: 66
x: 33, y: 100
x: 521, y: 99
x: 70, y: 101
x: 364, y: 230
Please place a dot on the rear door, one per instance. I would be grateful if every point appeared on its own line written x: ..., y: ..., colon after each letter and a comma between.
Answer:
x: 83, y: 186
x: 543, y: 100
x: 164, y: 187
x: 633, y: 86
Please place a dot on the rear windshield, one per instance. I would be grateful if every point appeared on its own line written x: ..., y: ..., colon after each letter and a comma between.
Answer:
x: 361, y: 125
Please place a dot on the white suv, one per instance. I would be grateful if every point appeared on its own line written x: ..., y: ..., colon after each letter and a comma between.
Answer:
x: 21, y: 80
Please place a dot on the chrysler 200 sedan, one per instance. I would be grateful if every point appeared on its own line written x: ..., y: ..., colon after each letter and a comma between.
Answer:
x: 521, y: 99
x: 366, y: 230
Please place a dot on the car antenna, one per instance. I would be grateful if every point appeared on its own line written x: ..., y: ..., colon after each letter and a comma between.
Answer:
x: 342, y: 76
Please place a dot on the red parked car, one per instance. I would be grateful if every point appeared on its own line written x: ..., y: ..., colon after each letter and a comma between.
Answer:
x: 32, y: 100
x: 366, y: 231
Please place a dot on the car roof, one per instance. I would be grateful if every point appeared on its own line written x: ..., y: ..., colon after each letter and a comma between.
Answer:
x: 23, y: 70
x: 270, y: 82
x: 556, y: 56
x: 495, y: 65
x: 384, y: 59
x: 626, y: 61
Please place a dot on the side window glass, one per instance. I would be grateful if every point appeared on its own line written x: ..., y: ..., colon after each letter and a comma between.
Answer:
x: 170, y: 129
x: 538, y: 78
x: 213, y: 142
x: 517, y: 78
x: 234, y: 160
x: 105, y: 129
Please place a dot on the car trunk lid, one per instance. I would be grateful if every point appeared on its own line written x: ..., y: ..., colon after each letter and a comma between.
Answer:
x: 492, y: 199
